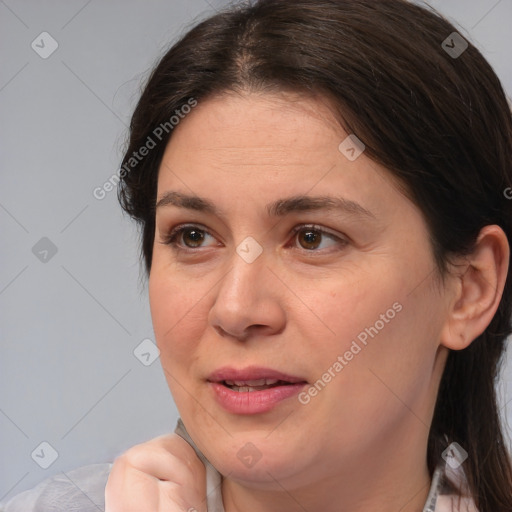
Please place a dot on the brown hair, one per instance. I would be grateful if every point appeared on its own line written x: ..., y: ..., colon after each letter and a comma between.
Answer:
x: 440, y: 124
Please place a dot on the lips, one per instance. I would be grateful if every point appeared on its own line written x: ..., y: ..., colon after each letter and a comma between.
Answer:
x: 253, y: 390
x: 253, y: 385
x: 253, y: 377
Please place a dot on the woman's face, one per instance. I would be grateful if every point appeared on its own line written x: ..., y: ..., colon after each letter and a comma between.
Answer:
x: 305, y: 280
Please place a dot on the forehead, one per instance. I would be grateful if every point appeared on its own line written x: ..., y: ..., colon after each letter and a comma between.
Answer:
x: 245, y: 147
x: 242, y: 129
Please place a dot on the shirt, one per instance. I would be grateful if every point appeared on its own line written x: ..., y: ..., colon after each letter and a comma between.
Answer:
x: 83, y: 489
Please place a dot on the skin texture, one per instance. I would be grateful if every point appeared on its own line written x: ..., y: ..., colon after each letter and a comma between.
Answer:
x: 360, y: 443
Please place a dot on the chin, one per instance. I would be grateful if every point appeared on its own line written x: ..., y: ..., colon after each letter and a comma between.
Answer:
x: 258, y: 463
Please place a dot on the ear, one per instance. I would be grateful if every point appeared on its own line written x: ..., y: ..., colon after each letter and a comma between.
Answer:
x: 477, y: 288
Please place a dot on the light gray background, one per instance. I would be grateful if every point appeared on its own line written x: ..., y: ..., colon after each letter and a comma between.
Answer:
x: 69, y: 326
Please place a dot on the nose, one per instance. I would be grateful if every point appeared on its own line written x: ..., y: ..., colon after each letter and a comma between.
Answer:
x: 248, y: 303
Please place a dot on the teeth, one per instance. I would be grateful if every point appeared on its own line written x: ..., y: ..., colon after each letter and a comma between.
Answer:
x: 247, y: 386
x: 251, y: 383
x: 247, y: 389
x: 243, y: 389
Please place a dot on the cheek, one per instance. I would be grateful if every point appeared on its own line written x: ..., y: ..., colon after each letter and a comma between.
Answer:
x: 348, y: 309
x: 384, y: 334
x: 179, y: 313
x: 387, y: 363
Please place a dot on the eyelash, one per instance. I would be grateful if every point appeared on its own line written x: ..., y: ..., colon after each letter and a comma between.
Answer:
x: 171, y: 238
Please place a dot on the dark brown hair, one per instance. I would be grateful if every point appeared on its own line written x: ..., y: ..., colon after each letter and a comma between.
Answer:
x: 440, y: 124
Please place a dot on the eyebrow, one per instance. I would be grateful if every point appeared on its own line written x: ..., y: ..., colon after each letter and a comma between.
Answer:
x: 278, y: 208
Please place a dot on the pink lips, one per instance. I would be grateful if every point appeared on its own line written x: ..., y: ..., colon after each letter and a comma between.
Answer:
x: 252, y: 390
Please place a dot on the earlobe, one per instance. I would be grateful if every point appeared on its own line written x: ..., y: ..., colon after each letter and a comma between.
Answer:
x: 477, y: 289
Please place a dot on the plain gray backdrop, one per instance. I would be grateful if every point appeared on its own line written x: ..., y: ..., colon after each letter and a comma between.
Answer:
x: 73, y: 310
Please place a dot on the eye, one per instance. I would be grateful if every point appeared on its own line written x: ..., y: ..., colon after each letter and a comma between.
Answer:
x: 313, y: 237
x: 188, y: 237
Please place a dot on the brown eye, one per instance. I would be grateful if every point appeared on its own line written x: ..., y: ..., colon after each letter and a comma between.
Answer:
x: 188, y: 237
x: 192, y: 237
x: 313, y: 239
x: 309, y: 238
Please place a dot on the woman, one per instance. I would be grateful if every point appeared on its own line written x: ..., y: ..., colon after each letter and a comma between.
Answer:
x: 321, y: 187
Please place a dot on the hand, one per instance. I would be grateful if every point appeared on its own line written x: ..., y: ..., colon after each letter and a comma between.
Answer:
x: 161, y: 475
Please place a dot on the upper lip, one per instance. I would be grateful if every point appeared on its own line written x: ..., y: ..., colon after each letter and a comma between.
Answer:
x: 251, y: 373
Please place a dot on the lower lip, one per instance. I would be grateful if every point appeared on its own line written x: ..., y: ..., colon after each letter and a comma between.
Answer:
x: 253, y: 402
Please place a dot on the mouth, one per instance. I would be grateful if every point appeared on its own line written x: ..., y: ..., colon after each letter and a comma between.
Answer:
x: 253, y: 385
x: 253, y: 377
x: 253, y: 390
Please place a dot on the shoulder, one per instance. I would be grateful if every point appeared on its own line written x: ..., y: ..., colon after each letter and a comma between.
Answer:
x: 79, y: 490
